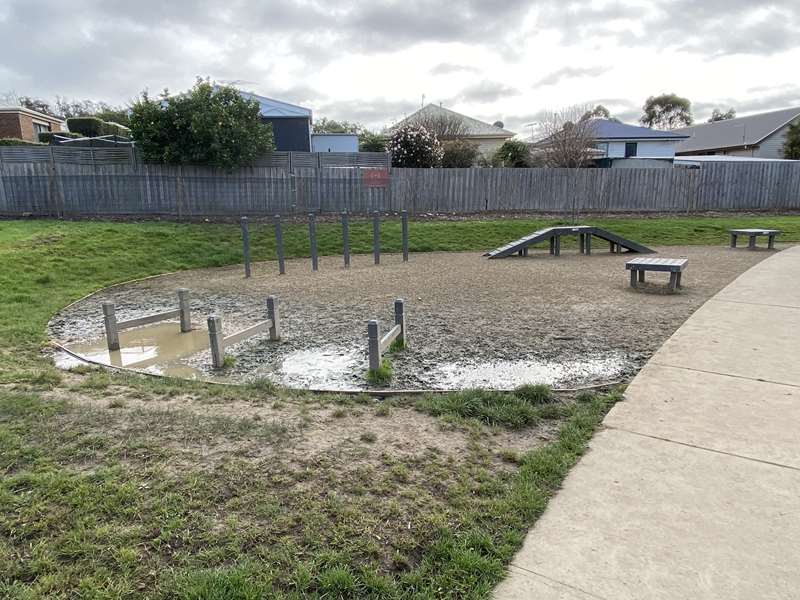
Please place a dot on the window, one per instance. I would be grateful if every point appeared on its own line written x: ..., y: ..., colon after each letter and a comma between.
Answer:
x: 603, y: 147
x: 630, y: 149
x: 40, y: 127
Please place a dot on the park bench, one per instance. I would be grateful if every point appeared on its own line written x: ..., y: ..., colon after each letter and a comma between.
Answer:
x: 673, y: 266
x: 752, y: 234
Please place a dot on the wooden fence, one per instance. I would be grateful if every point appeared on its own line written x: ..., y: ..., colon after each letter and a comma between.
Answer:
x: 83, y: 190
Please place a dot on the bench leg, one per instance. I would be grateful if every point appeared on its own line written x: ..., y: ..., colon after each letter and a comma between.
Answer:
x: 633, y: 278
x: 553, y: 245
x: 733, y: 240
x: 771, y: 242
x: 519, y: 252
x: 751, y: 243
x: 525, y: 251
x: 588, y: 246
x: 558, y: 245
x: 611, y: 247
x: 641, y: 275
x: 678, y: 282
x: 673, y: 281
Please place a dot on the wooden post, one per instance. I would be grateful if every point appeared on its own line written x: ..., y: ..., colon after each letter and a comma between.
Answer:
x: 751, y: 242
x: 633, y: 278
x: 641, y: 275
x: 553, y: 245
x: 733, y: 240
x: 770, y: 243
x: 558, y: 245
x: 274, y: 316
x: 673, y: 280
x: 110, y: 321
x: 245, y: 246
x: 400, y: 319
x: 588, y: 244
x: 183, y: 304
x: 312, y: 237
x: 404, y: 217
x: 346, y: 238
x: 376, y: 237
x: 373, y: 345
x: 215, y: 341
x: 279, y: 244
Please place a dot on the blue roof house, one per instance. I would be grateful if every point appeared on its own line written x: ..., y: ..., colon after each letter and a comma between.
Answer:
x: 619, y: 145
x: 291, y: 124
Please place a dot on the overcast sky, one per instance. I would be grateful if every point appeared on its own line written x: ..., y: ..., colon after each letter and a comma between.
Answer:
x: 372, y: 60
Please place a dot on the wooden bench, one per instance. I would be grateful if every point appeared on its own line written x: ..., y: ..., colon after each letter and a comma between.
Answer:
x: 673, y: 266
x: 752, y: 234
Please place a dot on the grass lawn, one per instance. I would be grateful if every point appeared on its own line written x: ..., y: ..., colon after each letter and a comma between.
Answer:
x: 119, y: 486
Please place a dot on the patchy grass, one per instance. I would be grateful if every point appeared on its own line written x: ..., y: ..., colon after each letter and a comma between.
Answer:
x: 122, y: 486
x: 382, y: 375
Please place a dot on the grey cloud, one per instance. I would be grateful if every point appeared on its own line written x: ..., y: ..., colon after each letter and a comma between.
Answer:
x: 483, y: 92
x: 376, y: 113
x: 449, y: 68
x: 570, y: 73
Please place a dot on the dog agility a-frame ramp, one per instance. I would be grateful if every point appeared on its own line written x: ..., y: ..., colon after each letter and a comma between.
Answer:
x: 554, y: 234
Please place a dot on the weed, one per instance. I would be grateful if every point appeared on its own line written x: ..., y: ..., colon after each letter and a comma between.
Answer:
x: 487, y: 407
x: 116, y: 403
x: 368, y: 437
x: 383, y: 410
x: 382, y: 375
x: 339, y: 413
x: 228, y: 362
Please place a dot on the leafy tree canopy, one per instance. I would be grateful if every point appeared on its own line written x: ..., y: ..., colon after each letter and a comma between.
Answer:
x: 718, y: 115
x: 791, y: 147
x: 459, y: 153
x: 369, y: 141
x: 513, y: 153
x: 598, y: 112
x: 208, y: 125
x: 667, y: 111
x: 325, y: 125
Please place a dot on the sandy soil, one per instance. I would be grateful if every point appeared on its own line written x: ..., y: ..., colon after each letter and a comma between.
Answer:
x: 568, y: 320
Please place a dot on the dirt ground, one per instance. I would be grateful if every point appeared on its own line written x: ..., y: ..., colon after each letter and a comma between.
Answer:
x: 472, y: 322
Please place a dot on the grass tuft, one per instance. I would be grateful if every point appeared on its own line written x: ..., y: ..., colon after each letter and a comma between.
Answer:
x: 382, y: 375
x: 534, y: 394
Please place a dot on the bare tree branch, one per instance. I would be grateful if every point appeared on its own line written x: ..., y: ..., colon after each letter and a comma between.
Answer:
x: 567, y: 140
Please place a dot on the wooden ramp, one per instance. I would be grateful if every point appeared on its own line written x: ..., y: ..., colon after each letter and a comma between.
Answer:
x: 554, y: 234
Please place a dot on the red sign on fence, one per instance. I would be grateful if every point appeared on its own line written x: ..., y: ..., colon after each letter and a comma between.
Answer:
x: 377, y: 178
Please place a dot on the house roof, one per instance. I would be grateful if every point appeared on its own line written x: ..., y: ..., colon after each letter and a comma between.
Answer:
x: 276, y: 108
x: 734, y: 133
x: 475, y: 128
x: 32, y: 113
x: 605, y: 129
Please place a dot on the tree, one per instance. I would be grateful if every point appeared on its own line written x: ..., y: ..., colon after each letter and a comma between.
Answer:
x: 208, y: 125
x: 445, y: 126
x: 598, y: 112
x: 666, y: 111
x: 38, y: 105
x: 718, y: 115
x: 791, y: 147
x: 513, y: 153
x: 459, y: 153
x: 325, y: 125
x: 414, y: 146
x: 567, y: 139
x: 369, y: 141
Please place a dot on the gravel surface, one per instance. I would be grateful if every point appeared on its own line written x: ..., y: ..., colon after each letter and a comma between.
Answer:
x: 472, y: 322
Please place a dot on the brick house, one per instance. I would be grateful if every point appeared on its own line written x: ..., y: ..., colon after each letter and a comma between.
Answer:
x: 26, y: 124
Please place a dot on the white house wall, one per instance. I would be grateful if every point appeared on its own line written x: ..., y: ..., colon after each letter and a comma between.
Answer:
x: 772, y: 146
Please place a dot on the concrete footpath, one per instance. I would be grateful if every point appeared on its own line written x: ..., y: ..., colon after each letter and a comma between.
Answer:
x: 692, y: 489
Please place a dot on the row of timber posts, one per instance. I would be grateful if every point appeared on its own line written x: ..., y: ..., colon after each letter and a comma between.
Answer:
x: 218, y: 340
x: 312, y: 236
x: 377, y: 345
x: 113, y: 327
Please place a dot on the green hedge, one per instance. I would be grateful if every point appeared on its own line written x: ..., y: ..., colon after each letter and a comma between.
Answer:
x: 94, y: 127
x: 17, y: 142
x: 45, y: 137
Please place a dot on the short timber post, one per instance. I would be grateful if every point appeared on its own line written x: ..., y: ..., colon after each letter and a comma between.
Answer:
x: 279, y: 244
x: 373, y: 345
x: 215, y: 341
x: 110, y: 321
x: 274, y: 317
x: 404, y: 217
x: 376, y: 237
x: 400, y: 319
x: 245, y: 246
x: 186, y: 315
x: 733, y: 240
x: 346, y: 238
x: 587, y: 245
x: 751, y: 243
x: 312, y: 235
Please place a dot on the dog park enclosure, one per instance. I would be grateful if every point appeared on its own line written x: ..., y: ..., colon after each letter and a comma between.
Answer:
x: 95, y: 186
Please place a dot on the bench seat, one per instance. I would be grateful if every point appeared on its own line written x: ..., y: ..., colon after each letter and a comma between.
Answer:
x: 673, y: 266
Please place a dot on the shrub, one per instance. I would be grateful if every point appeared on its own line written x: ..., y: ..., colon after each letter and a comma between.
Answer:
x: 371, y: 142
x: 791, y: 148
x: 459, y: 154
x: 208, y: 125
x: 17, y: 142
x: 415, y: 147
x: 86, y: 126
x: 513, y: 153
